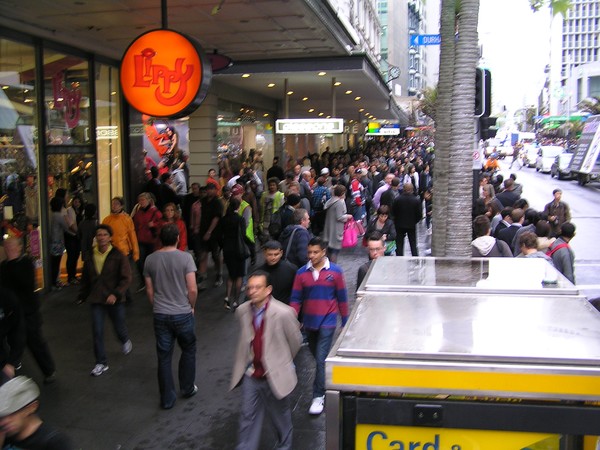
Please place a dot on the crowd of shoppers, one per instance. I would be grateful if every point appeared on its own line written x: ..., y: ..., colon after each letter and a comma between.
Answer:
x: 297, y: 216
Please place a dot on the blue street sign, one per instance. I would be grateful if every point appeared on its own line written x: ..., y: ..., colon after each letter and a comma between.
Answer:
x: 425, y: 39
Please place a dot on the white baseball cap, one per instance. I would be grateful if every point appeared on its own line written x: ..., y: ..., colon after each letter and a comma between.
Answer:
x: 16, y: 394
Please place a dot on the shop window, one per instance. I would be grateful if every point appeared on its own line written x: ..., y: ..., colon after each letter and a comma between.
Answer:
x: 243, y: 134
x: 160, y: 143
x: 108, y: 137
x: 19, y: 193
x: 66, y: 96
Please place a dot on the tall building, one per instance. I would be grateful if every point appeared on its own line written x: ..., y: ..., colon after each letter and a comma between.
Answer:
x: 431, y: 54
x: 401, y: 22
x: 574, y: 44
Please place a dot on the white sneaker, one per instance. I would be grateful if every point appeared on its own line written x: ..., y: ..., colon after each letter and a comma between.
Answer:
x: 317, y: 406
x: 99, y: 370
x: 127, y: 347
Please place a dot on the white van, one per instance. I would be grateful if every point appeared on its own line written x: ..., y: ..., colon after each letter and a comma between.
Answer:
x: 530, y: 154
x: 546, y: 156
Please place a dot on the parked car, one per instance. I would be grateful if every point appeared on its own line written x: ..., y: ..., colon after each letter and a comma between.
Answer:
x: 561, y: 166
x: 546, y: 156
x: 530, y: 154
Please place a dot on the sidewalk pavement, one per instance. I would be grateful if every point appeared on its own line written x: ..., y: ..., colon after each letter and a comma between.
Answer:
x: 120, y: 409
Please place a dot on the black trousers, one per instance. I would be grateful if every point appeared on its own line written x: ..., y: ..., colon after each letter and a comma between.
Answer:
x: 73, y: 248
x: 412, y: 240
x: 37, y: 344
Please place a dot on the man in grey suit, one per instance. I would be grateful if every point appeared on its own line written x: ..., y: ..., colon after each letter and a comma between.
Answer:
x: 269, y: 340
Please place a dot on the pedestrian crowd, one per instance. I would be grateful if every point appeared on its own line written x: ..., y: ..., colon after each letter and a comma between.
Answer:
x: 298, y: 217
x: 504, y: 225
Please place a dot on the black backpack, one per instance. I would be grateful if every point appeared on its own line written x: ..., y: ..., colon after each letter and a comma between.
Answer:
x: 275, y: 226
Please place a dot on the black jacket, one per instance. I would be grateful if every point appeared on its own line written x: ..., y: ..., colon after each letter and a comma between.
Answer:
x: 407, y: 211
x: 282, y: 279
x: 12, y: 329
x: 18, y: 276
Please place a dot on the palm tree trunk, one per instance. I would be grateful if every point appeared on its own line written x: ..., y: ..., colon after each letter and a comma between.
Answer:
x: 443, y: 128
x: 460, y: 188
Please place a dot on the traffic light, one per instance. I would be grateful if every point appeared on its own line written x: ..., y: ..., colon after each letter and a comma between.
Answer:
x: 483, y: 92
x: 487, y: 127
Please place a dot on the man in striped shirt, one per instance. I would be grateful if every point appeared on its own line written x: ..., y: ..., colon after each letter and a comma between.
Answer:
x: 319, y: 290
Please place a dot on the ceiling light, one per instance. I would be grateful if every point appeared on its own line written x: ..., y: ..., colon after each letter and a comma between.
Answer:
x: 266, y: 115
x: 242, y: 109
x: 5, y: 87
x: 321, y: 74
x: 320, y: 114
x: 246, y: 75
x: 337, y: 83
x: 311, y: 110
x: 270, y: 85
x: 113, y: 93
x: 304, y: 99
x: 357, y: 98
x: 348, y: 92
x: 361, y: 109
x: 25, y: 90
x: 329, y: 117
x: 290, y: 92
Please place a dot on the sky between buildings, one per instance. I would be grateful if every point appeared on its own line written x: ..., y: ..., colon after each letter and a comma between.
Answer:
x: 516, y: 49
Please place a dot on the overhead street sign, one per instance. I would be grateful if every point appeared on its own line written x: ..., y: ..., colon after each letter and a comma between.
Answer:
x: 425, y: 39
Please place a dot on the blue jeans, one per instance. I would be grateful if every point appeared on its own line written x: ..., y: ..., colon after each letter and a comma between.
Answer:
x: 167, y: 330
x: 319, y: 344
x: 116, y: 313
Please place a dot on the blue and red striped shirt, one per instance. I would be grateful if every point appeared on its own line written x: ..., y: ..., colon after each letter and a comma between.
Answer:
x: 322, y: 299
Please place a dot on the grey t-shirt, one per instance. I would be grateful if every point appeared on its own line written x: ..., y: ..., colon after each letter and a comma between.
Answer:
x: 168, y: 270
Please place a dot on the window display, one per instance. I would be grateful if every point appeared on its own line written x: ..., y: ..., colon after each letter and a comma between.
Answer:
x: 19, y: 188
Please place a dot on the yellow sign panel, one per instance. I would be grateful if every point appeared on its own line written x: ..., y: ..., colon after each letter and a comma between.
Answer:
x: 386, y: 437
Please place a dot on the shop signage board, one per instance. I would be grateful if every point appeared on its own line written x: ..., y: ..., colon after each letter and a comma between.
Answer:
x: 377, y: 129
x: 309, y: 126
x: 165, y: 74
x: 588, y: 147
x: 380, y: 437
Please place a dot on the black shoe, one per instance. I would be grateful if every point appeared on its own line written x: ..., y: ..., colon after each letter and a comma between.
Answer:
x: 193, y: 392
x: 226, y: 304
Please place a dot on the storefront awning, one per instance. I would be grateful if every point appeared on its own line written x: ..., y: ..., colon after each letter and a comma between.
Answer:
x: 359, y: 86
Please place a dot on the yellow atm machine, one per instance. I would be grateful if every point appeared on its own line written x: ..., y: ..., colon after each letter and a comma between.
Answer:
x: 464, y: 370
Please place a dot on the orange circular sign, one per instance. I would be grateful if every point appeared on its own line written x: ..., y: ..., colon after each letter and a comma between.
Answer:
x: 165, y: 74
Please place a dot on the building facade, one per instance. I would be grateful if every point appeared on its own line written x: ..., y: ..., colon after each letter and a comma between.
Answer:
x: 574, y: 44
x: 64, y: 122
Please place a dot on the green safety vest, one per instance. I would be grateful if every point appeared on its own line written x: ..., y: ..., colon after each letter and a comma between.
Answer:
x: 250, y: 224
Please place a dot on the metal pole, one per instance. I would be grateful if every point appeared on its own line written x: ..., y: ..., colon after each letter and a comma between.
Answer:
x: 164, y: 14
x: 286, y: 99
x: 333, y: 105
